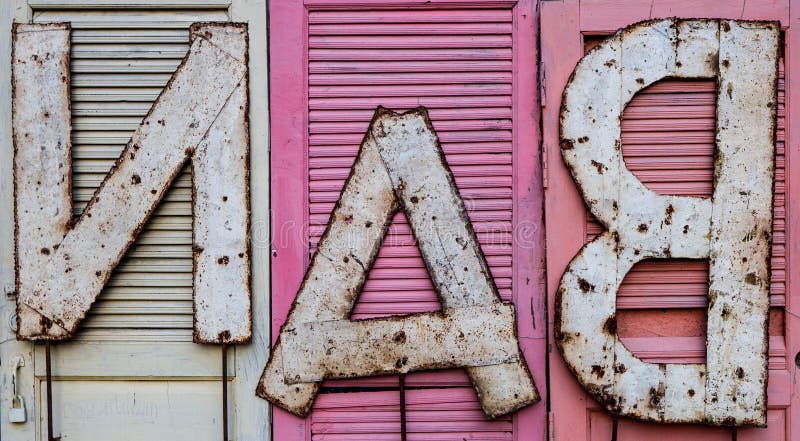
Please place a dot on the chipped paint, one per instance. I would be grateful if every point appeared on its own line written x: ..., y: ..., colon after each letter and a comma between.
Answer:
x: 400, y: 165
x: 199, y: 116
x: 732, y: 230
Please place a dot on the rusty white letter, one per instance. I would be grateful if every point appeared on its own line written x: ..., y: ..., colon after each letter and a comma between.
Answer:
x: 200, y: 117
x: 732, y: 229
x: 400, y: 166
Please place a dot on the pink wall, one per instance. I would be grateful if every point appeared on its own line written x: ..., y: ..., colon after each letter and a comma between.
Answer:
x: 668, y: 140
x: 474, y: 65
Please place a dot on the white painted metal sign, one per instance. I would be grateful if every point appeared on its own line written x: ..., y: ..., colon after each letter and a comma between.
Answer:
x: 732, y: 229
x: 199, y: 117
x: 400, y: 165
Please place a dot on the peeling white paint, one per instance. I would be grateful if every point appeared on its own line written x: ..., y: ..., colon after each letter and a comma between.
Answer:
x: 400, y: 164
x: 733, y: 231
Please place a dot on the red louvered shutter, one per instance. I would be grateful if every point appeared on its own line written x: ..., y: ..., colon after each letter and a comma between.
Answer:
x: 460, y: 61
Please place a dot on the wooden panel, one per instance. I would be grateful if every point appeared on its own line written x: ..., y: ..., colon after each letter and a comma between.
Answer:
x: 89, y: 409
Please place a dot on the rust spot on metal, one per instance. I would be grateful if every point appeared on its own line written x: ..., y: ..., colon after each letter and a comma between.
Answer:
x: 582, y: 332
x: 472, y: 330
x: 585, y: 285
x: 610, y: 326
x: 223, y: 260
x: 656, y: 395
x: 99, y: 219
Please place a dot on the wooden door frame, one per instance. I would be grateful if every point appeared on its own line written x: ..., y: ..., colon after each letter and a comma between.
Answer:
x: 289, y: 162
x: 563, y: 27
x: 249, y: 415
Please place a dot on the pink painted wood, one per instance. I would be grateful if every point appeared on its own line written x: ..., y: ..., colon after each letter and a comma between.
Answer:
x: 473, y: 64
x: 668, y: 143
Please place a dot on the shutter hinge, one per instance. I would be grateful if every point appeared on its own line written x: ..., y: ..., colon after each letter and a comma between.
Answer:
x: 544, y: 166
x: 551, y: 429
x: 542, y: 85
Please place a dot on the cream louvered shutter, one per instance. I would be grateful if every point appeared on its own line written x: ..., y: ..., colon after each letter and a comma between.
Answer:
x: 132, y: 372
x: 120, y: 63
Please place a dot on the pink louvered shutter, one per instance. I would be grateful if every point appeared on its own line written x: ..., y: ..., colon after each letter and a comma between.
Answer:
x: 472, y: 64
x: 668, y: 133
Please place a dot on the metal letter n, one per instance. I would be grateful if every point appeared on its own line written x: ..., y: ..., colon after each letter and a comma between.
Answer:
x: 400, y: 165
x: 732, y: 229
x: 200, y: 116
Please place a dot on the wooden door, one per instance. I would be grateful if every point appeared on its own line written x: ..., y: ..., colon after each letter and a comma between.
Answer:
x: 472, y: 64
x: 132, y: 372
x: 667, y: 142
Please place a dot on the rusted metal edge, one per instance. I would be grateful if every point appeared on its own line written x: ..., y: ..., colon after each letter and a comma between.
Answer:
x: 601, y: 394
x: 66, y: 79
x: 380, y: 113
x: 127, y: 151
x: 414, y: 342
x: 201, y: 30
x: 422, y: 111
x: 261, y: 389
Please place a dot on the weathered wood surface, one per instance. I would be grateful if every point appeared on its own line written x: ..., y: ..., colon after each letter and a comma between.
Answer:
x: 732, y: 229
x: 200, y: 115
x: 400, y: 164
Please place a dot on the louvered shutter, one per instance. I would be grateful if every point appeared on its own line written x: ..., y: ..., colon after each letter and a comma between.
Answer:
x: 132, y: 371
x: 668, y: 142
x: 668, y: 136
x: 460, y: 64
x: 120, y: 63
